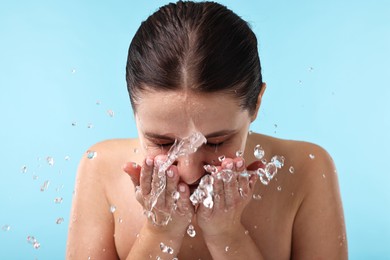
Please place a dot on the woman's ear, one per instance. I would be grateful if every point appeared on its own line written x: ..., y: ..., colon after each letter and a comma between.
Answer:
x: 258, y: 103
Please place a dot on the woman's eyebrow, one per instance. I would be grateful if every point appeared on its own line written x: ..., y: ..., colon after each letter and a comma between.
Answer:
x: 170, y: 137
x: 220, y: 133
x: 158, y: 136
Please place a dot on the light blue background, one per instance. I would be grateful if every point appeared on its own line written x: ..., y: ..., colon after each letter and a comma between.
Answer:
x: 326, y: 64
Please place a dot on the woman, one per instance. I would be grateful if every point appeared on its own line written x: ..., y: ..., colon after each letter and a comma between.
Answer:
x: 193, y: 68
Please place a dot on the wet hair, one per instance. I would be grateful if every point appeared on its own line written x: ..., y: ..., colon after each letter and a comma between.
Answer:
x: 199, y: 46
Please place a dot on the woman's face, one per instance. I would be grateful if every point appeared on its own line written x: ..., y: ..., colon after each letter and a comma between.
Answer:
x: 164, y: 116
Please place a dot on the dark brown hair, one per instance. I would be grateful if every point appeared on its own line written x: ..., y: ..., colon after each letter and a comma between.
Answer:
x: 202, y: 47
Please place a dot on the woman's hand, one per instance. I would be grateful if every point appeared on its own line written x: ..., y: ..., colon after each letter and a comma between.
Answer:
x: 165, y: 200
x: 233, y: 189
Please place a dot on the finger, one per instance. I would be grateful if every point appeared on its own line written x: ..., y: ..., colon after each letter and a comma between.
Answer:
x: 218, y: 192
x: 146, y: 176
x: 239, y: 164
x: 231, y: 190
x: 184, y: 206
x: 159, y: 182
x: 134, y: 171
x: 171, y: 192
x: 228, y: 164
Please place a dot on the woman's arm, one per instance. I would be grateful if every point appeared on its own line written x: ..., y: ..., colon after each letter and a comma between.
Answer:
x: 319, y: 228
x: 91, y: 225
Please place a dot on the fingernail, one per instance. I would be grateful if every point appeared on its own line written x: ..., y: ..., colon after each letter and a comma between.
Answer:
x: 182, y: 188
x: 229, y: 166
x: 239, y: 164
x: 170, y: 173
x: 149, y: 162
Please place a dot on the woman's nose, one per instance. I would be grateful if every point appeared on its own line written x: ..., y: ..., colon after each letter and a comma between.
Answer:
x: 190, y: 168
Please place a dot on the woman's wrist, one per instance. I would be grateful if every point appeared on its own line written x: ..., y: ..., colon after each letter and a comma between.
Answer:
x: 157, y: 241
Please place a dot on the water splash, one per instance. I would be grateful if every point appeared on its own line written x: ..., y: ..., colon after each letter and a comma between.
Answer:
x: 185, y: 147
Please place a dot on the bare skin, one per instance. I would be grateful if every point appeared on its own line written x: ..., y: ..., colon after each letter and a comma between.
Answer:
x: 299, y: 215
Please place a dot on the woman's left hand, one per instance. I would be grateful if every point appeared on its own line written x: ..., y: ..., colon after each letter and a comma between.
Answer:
x: 233, y: 189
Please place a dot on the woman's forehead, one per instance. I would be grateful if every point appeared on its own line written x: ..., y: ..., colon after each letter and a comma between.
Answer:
x: 185, y: 111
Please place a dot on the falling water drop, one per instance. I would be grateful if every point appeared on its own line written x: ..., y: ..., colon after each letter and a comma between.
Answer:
x: 278, y: 161
x: 50, y: 160
x: 58, y: 200
x: 59, y: 220
x: 6, y: 228
x: 256, y: 196
x: 91, y: 154
x: 258, y: 152
x: 110, y: 113
x: 23, y: 169
x: 191, y: 231
x: 45, y: 185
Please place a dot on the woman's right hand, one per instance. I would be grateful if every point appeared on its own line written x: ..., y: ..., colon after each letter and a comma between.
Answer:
x: 172, y: 210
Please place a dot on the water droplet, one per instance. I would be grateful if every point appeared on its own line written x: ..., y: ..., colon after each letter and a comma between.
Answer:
x: 227, y: 248
x: 32, y: 240
x: 256, y: 196
x: 291, y: 169
x: 176, y: 195
x: 90, y: 125
x: 246, y: 232
x: 250, y: 132
x: 23, y: 169
x: 312, y: 156
x: 270, y: 170
x: 120, y: 220
x: 112, y: 208
x: 58, y: 200
x: 279, y: 188
x: 221, y: 158
x: 323, y: 175
x: 91, y: 154
x: 59, y: 220
x: 67, y: 158
x: 110, y: 113
x: 239, y: 153
x: 45, y: 185
x: 97, y: 102
x: 50, y: 160
x: 191, y: 231
x: 73, y: 71
x: 311, y: 69
x: 74, y: 123
x: 6, y: 228
x: 135, y: 150
x: 166, y: 249
x: 262, y: 176
x: 278, y: 161
x: 258, y: 152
